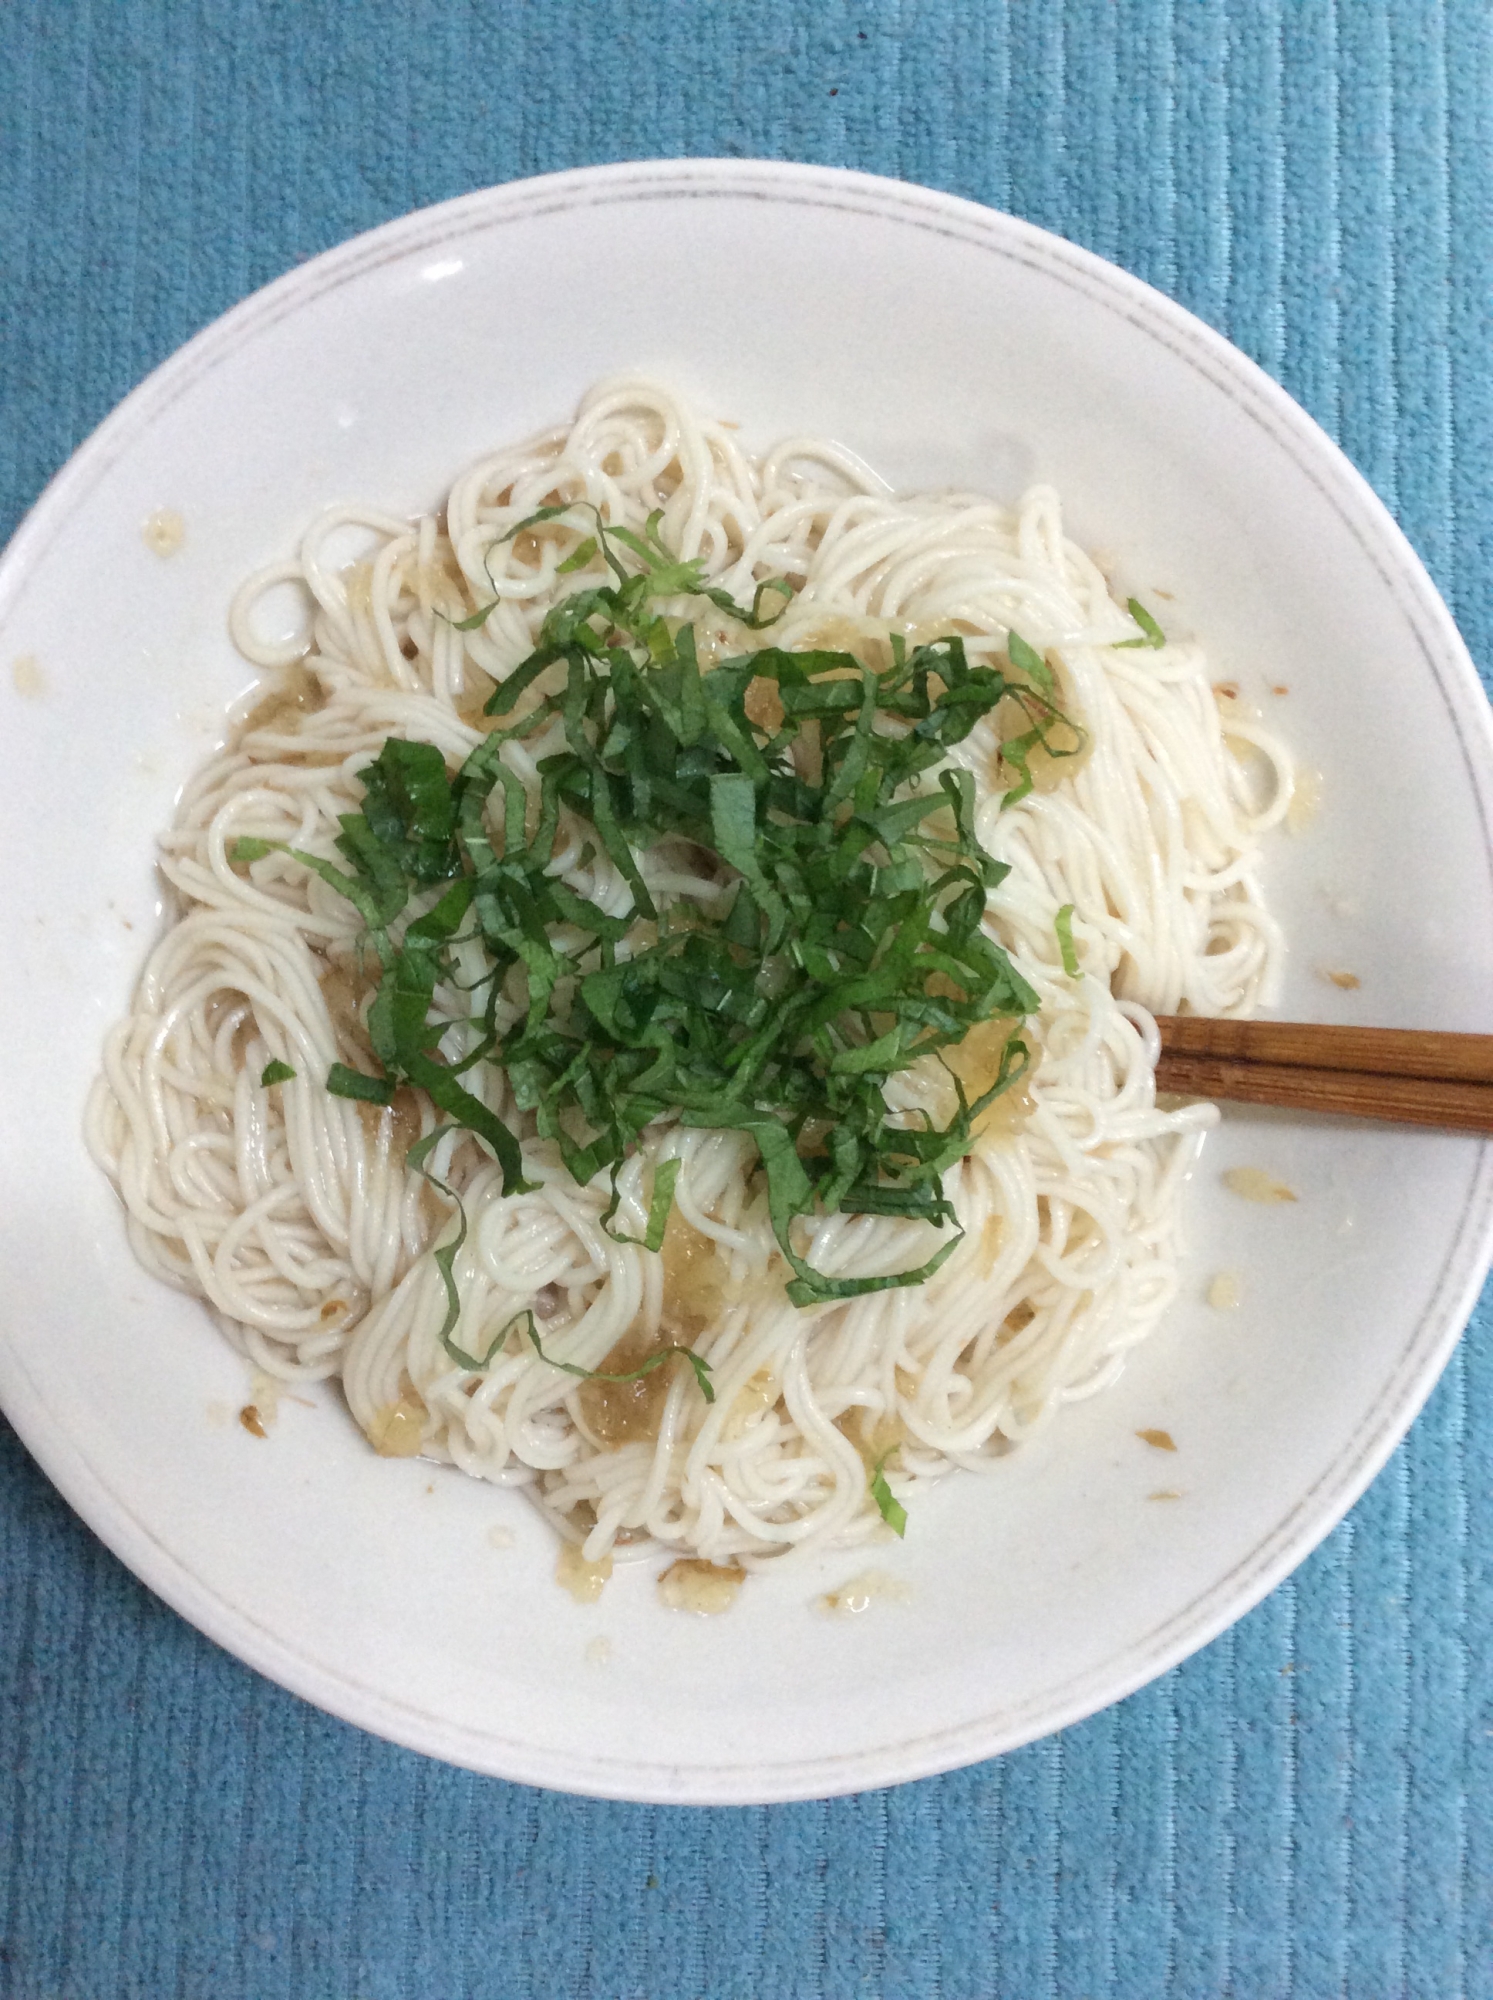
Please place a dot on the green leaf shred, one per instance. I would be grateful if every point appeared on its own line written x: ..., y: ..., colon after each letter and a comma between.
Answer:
x: 849, y: 943
x: 1154, y: 636
x: 657, y: 1359
x: 1063, y: 925
x: 888, y: 1505
x: 275, y: 1072
x: 363, y: 1089
x: 661, y: 1201
x: 1027, y: 660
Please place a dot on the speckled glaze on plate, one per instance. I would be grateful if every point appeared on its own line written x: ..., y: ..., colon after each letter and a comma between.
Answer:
x: 948, y: 345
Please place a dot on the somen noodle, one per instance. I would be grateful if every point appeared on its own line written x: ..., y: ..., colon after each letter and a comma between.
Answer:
x: 1129, y: 828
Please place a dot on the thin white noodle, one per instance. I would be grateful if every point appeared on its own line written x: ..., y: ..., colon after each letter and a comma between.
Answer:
x: 292, y: 1211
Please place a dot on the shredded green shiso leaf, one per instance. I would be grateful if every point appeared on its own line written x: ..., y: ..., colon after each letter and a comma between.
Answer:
x: 848, y: 944
x: 888, y: 1505
x: 1154, y: 636
x: 661, y: 1354
x: 275, y: 1072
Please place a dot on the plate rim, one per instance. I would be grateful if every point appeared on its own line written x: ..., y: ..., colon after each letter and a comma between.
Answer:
x: 1430, y: 1341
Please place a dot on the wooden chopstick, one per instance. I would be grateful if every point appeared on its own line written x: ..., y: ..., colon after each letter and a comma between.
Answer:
x: 1405, y: 1076
x: 1309, y: 1045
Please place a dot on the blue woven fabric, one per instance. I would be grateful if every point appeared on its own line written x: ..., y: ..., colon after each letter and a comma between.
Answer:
x: 1306, y: 1808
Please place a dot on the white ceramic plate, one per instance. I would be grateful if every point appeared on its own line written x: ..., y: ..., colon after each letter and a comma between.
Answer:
x: 949, y: 345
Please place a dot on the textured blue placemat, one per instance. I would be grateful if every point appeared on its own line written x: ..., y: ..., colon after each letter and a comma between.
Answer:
x: 1305, y: 1808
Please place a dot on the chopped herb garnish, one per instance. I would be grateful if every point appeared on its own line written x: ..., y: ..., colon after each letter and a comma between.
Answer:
x: 844, y: 943
x: 1063, y: 925
x: 447, y: 1253
x: 345, y: 1082
x: 658, y: 1208
x: 668, y: 575
x: 890, y: 1508
x: 656, y: 1360
x: 1027, y: 660
x: 275, y: 1072
x: 1154, y: 636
